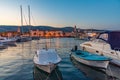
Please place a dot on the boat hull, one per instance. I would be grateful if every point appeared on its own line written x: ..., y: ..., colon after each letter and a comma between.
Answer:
x: 24, y: 39
x: 8, y: 42
x: 3, y: 46
x: 115, y: 57
x: 46, y: 59
x: 46, y: 68
x: 97, y: 64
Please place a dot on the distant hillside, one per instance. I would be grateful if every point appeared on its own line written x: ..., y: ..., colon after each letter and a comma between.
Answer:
x: 8, y: 28
x: 43, y: 28
x: 26, y: 28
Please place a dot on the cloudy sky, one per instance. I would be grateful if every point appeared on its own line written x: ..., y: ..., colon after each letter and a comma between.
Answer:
x: 99, y: 14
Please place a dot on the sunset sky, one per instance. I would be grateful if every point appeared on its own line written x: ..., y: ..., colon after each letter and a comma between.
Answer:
x: 99, y: 14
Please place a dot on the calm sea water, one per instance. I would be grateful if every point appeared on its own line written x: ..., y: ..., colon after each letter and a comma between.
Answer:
x: 16, y: 63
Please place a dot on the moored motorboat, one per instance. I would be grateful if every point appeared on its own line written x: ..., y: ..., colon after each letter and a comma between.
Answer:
x: 7, y: 41
x: 90, y: 59
x: 2, y: 46
x: 106, y: 44
x: 46, y: 59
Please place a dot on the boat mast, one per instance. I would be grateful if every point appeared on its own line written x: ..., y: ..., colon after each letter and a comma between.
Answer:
x: 29, y: 15
x: 29, y: 19
x: 21, y: 18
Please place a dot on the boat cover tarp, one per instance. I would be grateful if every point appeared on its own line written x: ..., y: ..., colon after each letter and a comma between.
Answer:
x: 114, y: 40
x: 89, y: 56
x: 48, y: 56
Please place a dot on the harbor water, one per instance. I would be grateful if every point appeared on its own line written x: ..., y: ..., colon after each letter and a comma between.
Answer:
x: 16, y: 63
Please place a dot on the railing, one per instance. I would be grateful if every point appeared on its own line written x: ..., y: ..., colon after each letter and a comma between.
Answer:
x: 117, y: 49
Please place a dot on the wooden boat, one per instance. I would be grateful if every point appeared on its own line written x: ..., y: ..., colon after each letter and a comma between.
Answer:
x: 90, y: 59
x: 46, y: 59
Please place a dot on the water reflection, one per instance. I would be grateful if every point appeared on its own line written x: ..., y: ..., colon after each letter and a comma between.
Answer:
x: 92, y: 73
x: 42, y: 75
x: 113, y: 71
x: 16, y: 63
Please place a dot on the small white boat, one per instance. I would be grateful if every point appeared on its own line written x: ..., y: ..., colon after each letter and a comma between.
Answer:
x: 46, y: 59
x: 2, y: 46
x: 106, y: 44
x: 90, y: 59
x: 7, y: 41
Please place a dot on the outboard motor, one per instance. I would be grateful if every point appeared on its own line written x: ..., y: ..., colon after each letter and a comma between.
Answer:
x: 76, y: 48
